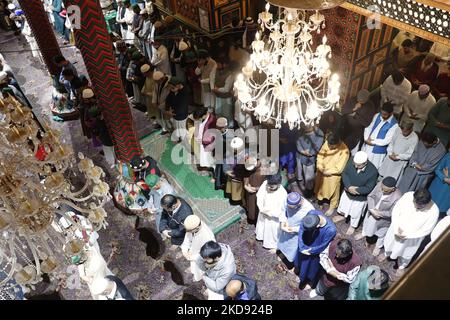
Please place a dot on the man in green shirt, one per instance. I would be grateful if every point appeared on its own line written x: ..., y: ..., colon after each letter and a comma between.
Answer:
x: 370, y: 284
x: 439, y: 120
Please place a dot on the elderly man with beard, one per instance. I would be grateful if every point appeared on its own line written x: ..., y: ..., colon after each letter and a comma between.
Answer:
x: 379, y: 207
x: 413, y: 218
x: 418, y: 105
x: 297, y: 208
x: 217, y: 262
x: 161, y: 90
x: 359, y: 178
x: 399, y: 151
x: 341, y: 265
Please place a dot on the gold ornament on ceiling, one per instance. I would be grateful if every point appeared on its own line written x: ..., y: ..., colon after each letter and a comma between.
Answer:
x: 307, y: 4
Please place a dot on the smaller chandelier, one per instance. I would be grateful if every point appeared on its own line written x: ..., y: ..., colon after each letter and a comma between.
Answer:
x: 285, y: 80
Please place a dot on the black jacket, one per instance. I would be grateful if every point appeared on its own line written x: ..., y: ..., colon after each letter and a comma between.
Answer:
x: 179, y: 103
x: 121, y: 288
x: 175, y: 223
x: 250, y: 285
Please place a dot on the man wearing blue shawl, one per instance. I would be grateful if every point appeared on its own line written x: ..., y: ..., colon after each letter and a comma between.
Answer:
x: 297, y: 208
x: 315, y: 234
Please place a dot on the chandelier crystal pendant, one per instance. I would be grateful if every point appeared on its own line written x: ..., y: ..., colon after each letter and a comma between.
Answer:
x: 285, y: 80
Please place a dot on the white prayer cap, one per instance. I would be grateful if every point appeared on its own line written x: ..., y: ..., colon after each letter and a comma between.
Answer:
x: 11, y: 6
x: 158, y: 75
x: 87, y: 93
x: 183, y: 46
x: 191, y: 222
x: 360, y: 157
x: 3, y: 75
x: 145, y: 68
x: 99, y: 285
x: 143, y: 11
x: 237, y: 143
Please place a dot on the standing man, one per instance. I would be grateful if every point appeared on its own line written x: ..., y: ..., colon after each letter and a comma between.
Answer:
x: 331, y: 161
x: 217, y: 262
x: 439, y: 120
x: 222, y: 80
x: 413, y: 218
x: 440, y: 187
x: 175, y: 211
x: 357, y: 114
x: 253, y: 180
x: 379, y: 134
x: 177, y: 106
x: 241, y: 287
x: 424, y: 160
x: 380, y: 203
x: 341, y: 265
x: 308, y: 146
x: 370, y: 284
x: 197, y: 234
x: 315, y: 234
x: 159, y: 187
x: 159, y: 96
x: 399, y: 151
x: 418, y: 105
x: 271, y: 201
x: 297, y: 208
x: 160, y: 57
x: 359, y: 178
x: 120, y: 18
x: 396, y: 89
x: 205, y: 66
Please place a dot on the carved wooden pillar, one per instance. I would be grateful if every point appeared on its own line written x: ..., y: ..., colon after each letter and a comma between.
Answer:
x: 96, y: 47
x: 43, y: 32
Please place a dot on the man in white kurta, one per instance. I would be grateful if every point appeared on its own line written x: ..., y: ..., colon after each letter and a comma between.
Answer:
x: 205, y: 67
x: 379, y: 134
x: 271, y: 201
x: 160, y: 58
x: 418, y: 105
x: 92, y: 268
x: 396, y: 89
x: 128, y: 19
x: 413, y: 218
x: 399, y: 151
x: 197, y: 234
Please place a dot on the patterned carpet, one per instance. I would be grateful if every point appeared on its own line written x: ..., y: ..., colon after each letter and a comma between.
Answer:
x: 197, y: 189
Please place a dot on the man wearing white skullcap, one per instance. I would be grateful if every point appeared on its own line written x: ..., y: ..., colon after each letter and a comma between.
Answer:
x: 161, y: 90
x: 359, y: 178
x: 197, y: 234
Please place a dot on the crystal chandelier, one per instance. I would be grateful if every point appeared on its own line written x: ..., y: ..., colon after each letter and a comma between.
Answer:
x: 285, y: 80
x: 35, y: 193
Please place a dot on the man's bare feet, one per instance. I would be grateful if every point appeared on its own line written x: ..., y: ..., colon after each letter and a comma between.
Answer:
x: 338, y: 218
x: 350, y: 231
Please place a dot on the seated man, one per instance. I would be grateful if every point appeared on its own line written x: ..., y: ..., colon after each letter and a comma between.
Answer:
x: 241, y: 287
x: 342, y: 265
x: 217, y: 263
x: 422, y: 70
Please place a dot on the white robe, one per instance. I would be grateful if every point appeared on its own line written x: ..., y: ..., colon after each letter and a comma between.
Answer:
x: 272, y: 205
x: 354, y: 209
x: 419, y: 107
x: 440, y: 228
x: 93, y: 268
x: 376, y: 158
x: 206, y: 158
x: 128, y: 18
x: 160, y: 59
x: 193, y: 243
x: 416, y: 225
x: 403, y: 147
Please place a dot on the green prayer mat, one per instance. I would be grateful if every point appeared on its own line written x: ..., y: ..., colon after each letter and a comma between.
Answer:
x: 209, y: 204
